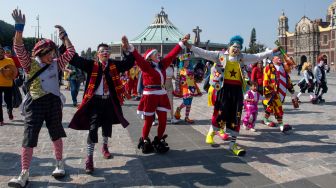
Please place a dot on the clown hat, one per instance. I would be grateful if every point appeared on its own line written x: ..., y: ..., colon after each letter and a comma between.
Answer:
x: 149, y: 52
x: 43, y: 47
x: 185, y: 57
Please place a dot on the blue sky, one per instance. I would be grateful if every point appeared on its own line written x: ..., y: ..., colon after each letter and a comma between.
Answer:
x: 90, y: 22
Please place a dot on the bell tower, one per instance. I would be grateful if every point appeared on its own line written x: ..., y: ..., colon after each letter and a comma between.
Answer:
x: 282, y: 29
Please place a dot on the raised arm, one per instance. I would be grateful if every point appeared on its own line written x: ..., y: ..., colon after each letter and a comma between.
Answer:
x: 21, y: 52
x: 169, y: 58
x: 126, y: 63
x: 65, y: 58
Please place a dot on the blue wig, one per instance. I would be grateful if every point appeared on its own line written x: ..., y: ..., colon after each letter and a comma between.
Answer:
x: 237, y: 39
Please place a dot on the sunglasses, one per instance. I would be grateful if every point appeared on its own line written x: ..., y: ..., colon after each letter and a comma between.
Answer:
x: 104, y: 51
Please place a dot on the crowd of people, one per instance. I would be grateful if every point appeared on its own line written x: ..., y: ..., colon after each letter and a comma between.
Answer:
x: 234, y: 82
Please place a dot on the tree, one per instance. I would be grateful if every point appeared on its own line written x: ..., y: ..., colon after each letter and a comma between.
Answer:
x: 254, y: 46
x: 7, y: 32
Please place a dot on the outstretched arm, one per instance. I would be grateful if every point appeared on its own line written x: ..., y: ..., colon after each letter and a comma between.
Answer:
x: 252, y: 58
x: 205, y: 54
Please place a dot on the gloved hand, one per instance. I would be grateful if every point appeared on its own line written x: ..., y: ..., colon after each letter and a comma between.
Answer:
x: 20, y: 20
x: 61, y: 32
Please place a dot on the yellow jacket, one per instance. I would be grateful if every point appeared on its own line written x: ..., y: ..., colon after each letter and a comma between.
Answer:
x: 3, y: 81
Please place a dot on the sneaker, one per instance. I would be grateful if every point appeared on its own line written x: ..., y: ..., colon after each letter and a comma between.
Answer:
x: 174, y: 121
x: 160, y: 146
x: 237, y: 150
x: 190, y: 121
x: 209, y: 137
x: 253, y: 130
x: 105, y: 152
x: 89, y: 164
x: 145, y: 145
x: 221, y: 133
x: 59, y: 171
x: 20, y: 181
x: 154, y: 123
x: 178, y: 113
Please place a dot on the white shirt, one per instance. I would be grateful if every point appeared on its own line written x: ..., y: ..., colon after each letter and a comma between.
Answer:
x: 100, y: 89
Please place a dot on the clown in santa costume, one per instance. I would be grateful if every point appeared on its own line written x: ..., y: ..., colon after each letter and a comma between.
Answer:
x: 154, y: 98
x: 188, y: 87
x: 227, y: 83
x: 276, y: 82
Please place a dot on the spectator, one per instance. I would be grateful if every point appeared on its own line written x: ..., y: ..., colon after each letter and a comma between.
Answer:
x: 257, y: 76
x: 76, y: 77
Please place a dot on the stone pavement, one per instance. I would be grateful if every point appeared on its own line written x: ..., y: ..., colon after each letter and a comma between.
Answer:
x: 304, y: 158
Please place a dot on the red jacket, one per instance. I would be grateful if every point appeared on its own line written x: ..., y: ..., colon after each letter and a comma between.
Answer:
x: 154, y: 76
x: 257, y: 76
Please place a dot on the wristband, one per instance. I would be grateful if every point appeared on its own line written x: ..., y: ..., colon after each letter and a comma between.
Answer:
x: 19, y: 27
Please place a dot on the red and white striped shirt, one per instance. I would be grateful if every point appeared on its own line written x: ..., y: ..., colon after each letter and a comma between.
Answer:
x: 25, y: 60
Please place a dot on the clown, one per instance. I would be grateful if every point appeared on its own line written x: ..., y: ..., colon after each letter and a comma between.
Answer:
x: 154, y: 98
x: 42, y: 102
x: 132, y: 83
x: 276, y: 82
x: 188, y: 87
x: 226, y: 87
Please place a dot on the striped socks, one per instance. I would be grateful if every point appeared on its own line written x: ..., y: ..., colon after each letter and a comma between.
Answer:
x: 58, y: 149
x: 90, y: 149
x: 26, y: 157
x: 187, y: 111
x: 182, y: 106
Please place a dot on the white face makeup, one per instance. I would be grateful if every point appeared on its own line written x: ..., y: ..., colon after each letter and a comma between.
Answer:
x: 234, y: 50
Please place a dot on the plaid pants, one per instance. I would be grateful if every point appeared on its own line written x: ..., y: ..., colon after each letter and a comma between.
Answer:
x: 49, y: 109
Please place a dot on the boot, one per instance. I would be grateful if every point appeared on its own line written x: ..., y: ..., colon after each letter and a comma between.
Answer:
x: 105, y: 152
x: 285, y: 127
x: 145, y: 145
x: 160, y: 146
x: 209, y: 137
x: 190, y: 121
x: 20, y: 181
x: 10, y: 115
x: 178, y: 113
x: 59, y: 171
x: 89, y: 164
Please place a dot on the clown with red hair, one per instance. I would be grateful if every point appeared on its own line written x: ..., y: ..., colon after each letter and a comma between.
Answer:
x: 155, y: 98
x: 276, y: 82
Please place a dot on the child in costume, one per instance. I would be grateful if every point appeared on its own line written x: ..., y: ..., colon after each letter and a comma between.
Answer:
x: 251, y: 100
x: 321, y: 80
x: 227, y: 85
x: 188, y: 87
x: 154, y: 98
x: 276, y: 83
x: 42, y: 102
x: 307, y: 82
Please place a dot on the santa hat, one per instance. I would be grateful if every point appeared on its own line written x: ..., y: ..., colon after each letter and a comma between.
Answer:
x: 149, y: 52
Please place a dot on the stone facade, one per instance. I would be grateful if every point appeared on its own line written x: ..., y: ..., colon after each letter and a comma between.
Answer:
x: 310, y: 38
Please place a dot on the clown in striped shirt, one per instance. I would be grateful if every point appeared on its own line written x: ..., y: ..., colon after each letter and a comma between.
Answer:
x: 276, y: 82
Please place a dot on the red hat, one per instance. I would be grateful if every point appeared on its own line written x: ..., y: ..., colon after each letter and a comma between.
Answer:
x: 43, y: 47
x: 149, y: 52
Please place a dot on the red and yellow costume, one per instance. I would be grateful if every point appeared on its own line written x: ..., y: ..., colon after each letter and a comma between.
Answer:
x: 132, y: 83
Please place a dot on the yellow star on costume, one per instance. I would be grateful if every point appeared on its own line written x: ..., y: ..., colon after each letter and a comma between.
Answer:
x: 222, y: 124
